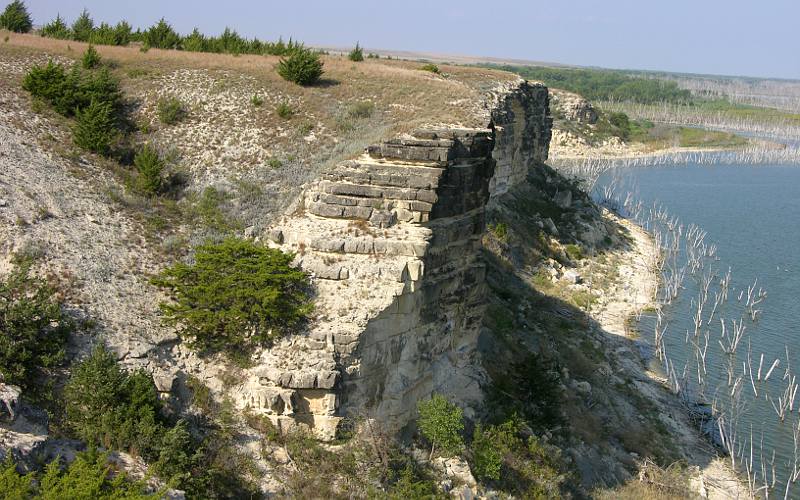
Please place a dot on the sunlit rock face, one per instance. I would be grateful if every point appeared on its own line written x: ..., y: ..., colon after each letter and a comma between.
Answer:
x: 392, y: 240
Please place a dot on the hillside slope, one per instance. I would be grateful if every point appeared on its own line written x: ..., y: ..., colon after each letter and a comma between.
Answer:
x: 445, y: 257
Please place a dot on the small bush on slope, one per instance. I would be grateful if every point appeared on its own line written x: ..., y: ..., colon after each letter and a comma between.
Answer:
x: 363, y: 466
x: 284, y: 110
x: 56, y: 28
x: 73, y: 91
x: 83, y: 27
x: 93, y: 97
x: 302, y: 67
x: 109, y: 407
x: 46, y: 82
x: 88, y: 476
x: 16, y: 18
x: 170, y: 110
x: 529, y: 388
x: 441, y: 423
x: 521, y: 466
x: 235, y: 296
x: 162, y: 36
x: 150, y: 168
x: 654, y: 483
x: 33, y: 328
x: 119, y: 410
x: 91, y: 59
x: 95, y: 129
x: 357, y: 54
x: 14, y: 485
x: 363, y: 109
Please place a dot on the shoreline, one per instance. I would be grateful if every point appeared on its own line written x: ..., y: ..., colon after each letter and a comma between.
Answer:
x: 572, y: 151
x: 638, y: 286
x: 753, y: 156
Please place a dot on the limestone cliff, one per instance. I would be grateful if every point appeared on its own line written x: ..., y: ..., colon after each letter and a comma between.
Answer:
x: 393, y: 240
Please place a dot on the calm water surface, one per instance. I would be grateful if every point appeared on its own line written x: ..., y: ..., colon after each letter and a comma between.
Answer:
x: 752, y: 214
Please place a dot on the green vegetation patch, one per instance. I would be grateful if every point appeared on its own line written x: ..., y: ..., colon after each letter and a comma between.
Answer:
x: 70, y: 92
x: 431, y: 68
x: 235, y: 296
x: 90, y: 475
x: 82, y: 27
x: 357, y: 54
x: 529, y: 388
x: 284, y: 110
x: 56, y: 28
x: 499, y: 230
x: 95, y: 128
x: 606, y: 85
x: 92, y: 97
x: 160, y: 35
x: 109, y: 407
x: 150, y: 168
x: 33, y: 328
x: 575, y: 252
x: 303, y: 67
x: 170, y: 110
x: 442, y: 424
x: 120, y: 410
x: 746, y: 112
x: 695, y: 138
x: 526, y: 467
x: 16, y: 18
x: 91, y: 59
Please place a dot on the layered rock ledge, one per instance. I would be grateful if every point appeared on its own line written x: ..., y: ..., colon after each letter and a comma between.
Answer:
x: 392, y: 240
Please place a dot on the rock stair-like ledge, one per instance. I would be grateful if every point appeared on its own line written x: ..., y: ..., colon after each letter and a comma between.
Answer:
x: 392, y: 241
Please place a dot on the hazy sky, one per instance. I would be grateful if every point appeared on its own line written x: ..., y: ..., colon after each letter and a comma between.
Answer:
x: 738, y: 37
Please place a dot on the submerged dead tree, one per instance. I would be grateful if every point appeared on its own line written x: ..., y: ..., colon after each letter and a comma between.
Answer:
x: 711, y: 364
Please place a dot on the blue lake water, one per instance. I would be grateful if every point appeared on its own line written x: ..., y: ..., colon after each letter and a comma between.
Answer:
x: 752, y: 214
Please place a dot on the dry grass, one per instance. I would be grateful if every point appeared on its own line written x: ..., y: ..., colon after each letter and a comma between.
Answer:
x: 414, y: 96
x: 653, y: 483
x: 225, y: 140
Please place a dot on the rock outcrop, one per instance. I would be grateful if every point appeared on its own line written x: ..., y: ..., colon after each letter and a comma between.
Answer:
x: 392, y: 240
x: 9, y: 402
x: 574, y: 107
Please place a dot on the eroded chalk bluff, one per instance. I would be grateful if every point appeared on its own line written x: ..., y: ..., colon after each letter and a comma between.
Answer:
x: 392, y: 240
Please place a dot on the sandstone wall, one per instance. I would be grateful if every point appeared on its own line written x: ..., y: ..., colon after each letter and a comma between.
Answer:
x: 393, y: 240
x: 522, y: 127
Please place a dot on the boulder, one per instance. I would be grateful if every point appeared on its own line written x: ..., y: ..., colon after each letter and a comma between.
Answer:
x: 458, y: 470
x: 23, y: 447
x: 9, y: 402
x: 275, y: 235
x: 583, y: 387
x: 164, y: 381
x: 574, y: 107
x: 550, y: 226
x: 572, y: 277
x: 563, y: 199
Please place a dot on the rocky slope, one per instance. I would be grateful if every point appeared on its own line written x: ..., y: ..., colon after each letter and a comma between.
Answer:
x: 393, y: 240
x: 444, y: 255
